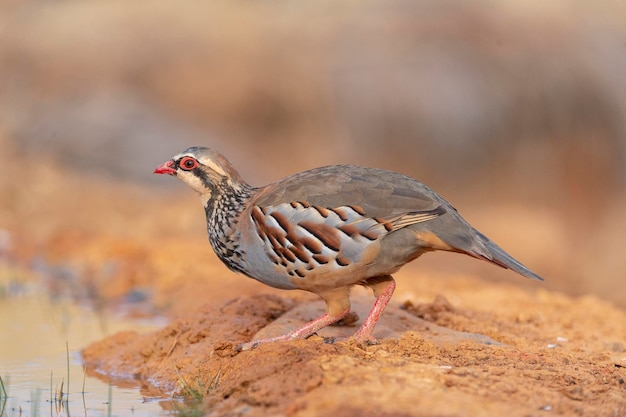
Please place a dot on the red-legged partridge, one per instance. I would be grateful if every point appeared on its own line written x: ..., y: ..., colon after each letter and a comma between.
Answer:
x: 326, y: 230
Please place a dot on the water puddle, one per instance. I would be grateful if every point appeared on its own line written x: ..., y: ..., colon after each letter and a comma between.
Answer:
x: 40, y: 338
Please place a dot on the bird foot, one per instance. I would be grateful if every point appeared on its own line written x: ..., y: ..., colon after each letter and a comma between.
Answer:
x: 298, y: 334
x: 255, y: 343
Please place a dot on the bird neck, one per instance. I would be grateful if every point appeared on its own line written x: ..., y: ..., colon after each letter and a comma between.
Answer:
x: 223, y: 210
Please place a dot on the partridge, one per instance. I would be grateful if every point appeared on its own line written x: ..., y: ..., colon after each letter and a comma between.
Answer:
x: 326, y: 230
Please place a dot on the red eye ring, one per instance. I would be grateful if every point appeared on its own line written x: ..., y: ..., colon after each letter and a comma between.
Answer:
x: 188, y: 163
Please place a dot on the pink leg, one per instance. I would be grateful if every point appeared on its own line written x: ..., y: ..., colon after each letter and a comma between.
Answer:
x: 383, y: 290
x: 300, y: 333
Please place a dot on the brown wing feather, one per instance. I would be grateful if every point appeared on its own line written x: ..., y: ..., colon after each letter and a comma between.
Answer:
x: 378, y: 193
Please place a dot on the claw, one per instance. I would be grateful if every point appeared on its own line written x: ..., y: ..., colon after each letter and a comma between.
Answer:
x: 369, y: 341
x: 246, y: 346
x: 329, y: 340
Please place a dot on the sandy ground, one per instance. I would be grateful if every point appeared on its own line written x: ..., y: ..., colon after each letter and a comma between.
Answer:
x: 541, y: 354
x: 451, y: 344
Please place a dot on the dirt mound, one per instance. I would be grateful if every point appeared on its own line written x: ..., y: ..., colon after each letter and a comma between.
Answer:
x: 454, y: 361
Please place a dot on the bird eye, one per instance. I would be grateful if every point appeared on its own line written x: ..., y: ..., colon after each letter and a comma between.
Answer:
x: 188, y: 163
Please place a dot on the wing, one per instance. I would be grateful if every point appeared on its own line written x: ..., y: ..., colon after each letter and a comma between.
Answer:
x: 376, y: 193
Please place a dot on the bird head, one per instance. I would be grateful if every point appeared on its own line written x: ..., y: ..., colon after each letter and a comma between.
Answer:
x: 204, y: 170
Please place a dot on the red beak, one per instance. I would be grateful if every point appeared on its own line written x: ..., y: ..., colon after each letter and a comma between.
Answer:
x: 166, y: 168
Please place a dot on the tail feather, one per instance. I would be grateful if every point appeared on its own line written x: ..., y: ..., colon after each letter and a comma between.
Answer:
x: 491, y: 252
x: 452, y: 233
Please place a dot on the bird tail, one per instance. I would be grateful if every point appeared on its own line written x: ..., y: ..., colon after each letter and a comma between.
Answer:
x: 488, y: 250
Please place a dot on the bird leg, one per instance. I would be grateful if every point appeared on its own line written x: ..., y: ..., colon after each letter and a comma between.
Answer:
x: 338, y: 306
x: 383, y: 288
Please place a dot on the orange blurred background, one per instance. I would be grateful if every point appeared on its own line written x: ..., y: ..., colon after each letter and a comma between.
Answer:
x: 514, y: 112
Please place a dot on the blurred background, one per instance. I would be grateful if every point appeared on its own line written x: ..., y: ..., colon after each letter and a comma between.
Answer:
x: 513, y: 111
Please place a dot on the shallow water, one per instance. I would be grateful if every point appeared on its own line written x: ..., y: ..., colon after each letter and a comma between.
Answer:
x: 35, y: 331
